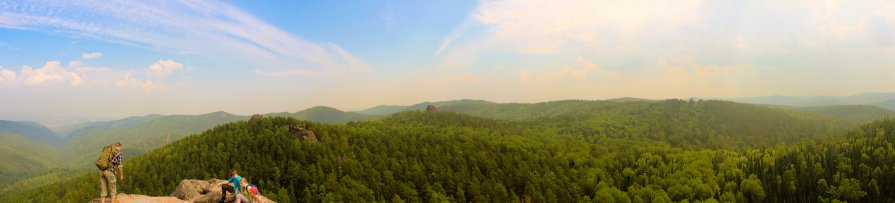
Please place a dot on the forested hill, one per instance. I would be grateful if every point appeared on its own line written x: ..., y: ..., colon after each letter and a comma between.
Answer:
x: 880, y: 99
x: 443, y: 156
x: 687, y: 124
x: 25, y: 149
x: 31, y: 130
x: 853, y: 113
x: 149, y: 132
x: 697, y: 124
x: 21, y: 156
x: 139, y: 133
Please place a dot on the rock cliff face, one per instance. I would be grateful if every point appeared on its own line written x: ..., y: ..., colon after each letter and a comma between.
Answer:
x: 204, y: 191
x: 300, y: 132
x: 431, y: 108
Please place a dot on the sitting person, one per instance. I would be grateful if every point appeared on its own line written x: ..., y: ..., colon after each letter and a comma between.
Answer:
x: 235, y: 188
x: 252, y: 197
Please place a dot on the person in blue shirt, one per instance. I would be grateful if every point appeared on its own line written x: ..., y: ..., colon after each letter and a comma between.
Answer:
x: 237, y: 185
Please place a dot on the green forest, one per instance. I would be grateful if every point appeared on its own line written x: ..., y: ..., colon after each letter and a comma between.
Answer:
x: 565, y: 151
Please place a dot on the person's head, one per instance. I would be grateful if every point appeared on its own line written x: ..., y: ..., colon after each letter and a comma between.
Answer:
x: 252, y: 190
x: 233, y: 173
x: 117, y: 146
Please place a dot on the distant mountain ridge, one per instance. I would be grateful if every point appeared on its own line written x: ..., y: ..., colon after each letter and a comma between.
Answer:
x: 382, y: 110
x: 858, y: 114
x: 31, y: 130
x: 144, y: 133
x: 881, y: 99
x: 477, y: 107
x: 324, y: 114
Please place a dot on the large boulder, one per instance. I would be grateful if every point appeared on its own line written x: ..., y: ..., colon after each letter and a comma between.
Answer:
x: 192, y: 189
x: 205, y: 191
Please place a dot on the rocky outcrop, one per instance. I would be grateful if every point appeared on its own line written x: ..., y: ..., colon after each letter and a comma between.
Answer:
x: 431, y: 108
x: 257, y: 117
x: 299, y: 132
x: 203, y: 191
x: 194, y: 189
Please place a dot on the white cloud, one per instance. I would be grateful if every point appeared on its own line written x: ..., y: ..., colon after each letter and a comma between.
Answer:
x: 51, y: 72
x: 7, y: 77
x: 128, y: 81
x: 693, y: 45
x: 80, y: 74
x: 536, y: 27
x: 207, y: 28
x: 164, y: 67
x: 75, y: 79
x: 91, y: 55
x: 540, y: 27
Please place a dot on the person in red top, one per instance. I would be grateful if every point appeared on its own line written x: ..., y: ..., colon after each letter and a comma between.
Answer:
x: 252, y: 195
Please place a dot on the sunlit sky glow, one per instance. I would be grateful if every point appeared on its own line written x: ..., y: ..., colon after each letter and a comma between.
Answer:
x: 99, y: 59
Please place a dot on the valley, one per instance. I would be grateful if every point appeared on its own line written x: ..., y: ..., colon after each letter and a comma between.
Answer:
x: 609, y: 150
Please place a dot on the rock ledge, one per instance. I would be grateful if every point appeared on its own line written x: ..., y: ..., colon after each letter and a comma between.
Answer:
x: 204, y: 191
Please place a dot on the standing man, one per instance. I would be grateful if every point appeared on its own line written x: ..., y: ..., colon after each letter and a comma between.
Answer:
x: 108, y: 162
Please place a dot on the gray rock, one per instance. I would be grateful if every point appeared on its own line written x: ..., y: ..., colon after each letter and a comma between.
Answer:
x: 431, y: 108
x: 204, y: 191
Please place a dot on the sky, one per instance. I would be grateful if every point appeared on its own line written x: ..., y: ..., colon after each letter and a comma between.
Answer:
x: 100, y: 59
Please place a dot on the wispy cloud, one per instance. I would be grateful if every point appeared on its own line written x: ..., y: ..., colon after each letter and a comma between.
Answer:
x: 91, y: 55
x: 455, y: 33
x: 204, y: 28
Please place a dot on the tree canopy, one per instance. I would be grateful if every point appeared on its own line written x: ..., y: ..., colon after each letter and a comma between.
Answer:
x: 670, y: 151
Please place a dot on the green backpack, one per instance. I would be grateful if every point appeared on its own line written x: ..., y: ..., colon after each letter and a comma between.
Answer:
x: 104, y: 162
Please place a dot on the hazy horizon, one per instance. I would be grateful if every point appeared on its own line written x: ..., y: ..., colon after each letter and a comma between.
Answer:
x: 94, y: 59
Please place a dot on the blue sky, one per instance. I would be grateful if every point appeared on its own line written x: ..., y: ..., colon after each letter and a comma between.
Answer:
x: 99, y: 59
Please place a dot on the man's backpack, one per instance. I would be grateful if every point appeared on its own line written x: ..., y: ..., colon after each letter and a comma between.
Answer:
x: 104, y: 162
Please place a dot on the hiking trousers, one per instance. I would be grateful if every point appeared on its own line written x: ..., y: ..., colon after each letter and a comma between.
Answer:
x: 107, y: 179
x: 225, y: 188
